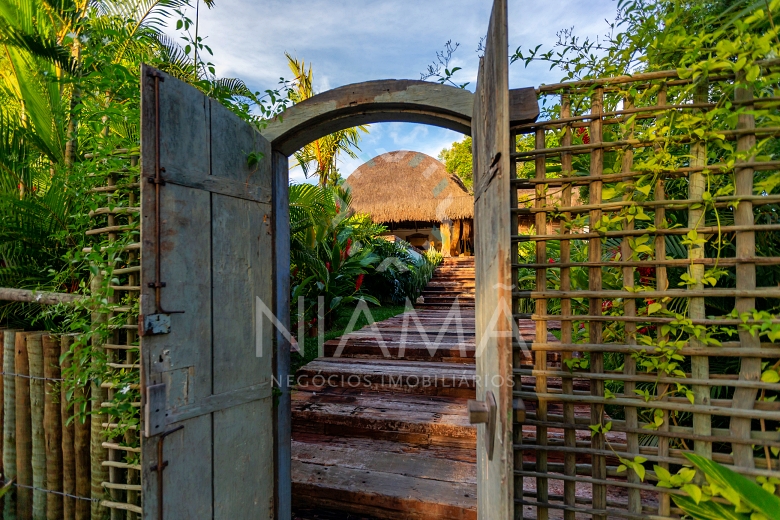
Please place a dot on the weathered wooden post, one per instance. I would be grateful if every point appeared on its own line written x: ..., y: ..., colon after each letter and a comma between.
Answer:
x: 9, y: 419
x: 2, y: 399
x: 52, y: 426
x: 83, y: 424
x: 35, y: 359
x: 24, y: 477
x: 68, y: 438
x: 98, y: 454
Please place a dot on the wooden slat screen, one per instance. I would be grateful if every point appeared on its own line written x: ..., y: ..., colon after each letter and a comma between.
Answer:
x: 647, y: 189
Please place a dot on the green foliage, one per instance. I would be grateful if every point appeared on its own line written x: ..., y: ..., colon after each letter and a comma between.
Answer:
x: 319, y: 158
x: 458, y: 161
x: 440, y: 69
x: 339, y: 256
x: 745, y: 498
x: 721, y: 46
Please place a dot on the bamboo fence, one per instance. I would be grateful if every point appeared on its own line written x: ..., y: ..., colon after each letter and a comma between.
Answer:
x: 39, y: 449
x: 603, y: 393
x: 87, y: 467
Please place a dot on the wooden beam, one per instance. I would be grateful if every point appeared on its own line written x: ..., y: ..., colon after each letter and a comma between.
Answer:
x: 523, y: 106
x: 411, y: 101
x: 42, y: 297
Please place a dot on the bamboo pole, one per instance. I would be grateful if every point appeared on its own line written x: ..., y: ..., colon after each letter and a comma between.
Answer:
x: 567, y: 383
x: 2, y: 405
x: 98, y: 454
x: 540, y: 359
x: 52, y: 425
x: 2, y: 400
x: 9, y: 419
x: 24, y: 475
x: 68, y: 439
x: 750, y: 367
x: 629, y: 309
x: 35, y: 359
x: 82, y: 455
x: 595, y: 284
x: 42, y: 297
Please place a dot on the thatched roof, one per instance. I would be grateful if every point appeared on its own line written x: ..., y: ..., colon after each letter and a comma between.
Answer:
x: 408, y: 186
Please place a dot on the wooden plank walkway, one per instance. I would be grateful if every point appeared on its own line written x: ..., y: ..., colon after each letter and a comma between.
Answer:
x: 382, y: 430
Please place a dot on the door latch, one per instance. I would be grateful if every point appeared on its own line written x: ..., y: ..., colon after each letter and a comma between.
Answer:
x: 484, y: 412
x: 150, y: 324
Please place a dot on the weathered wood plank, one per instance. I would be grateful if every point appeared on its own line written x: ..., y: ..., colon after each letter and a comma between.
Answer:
x: 386, y: 494
x: 490, y: 130
x: 430, y: 451
x: 281, y: 308
x: 367, y: 459
x: 523, y: 106
x: 182, y: 359
x: 375, y: 412
x: 242, y: 271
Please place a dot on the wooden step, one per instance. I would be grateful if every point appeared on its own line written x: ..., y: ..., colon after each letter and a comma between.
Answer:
x: 444, y: 306
x: 467, y: 455
x: 452, y: 286
x: 444, y: 297
x: 415, y: 419
x: 412, y: 351
x: 414, y: 377
x: 383, y: 484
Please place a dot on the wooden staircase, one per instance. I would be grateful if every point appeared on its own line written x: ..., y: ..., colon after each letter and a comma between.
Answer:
x: 452, y: 281
x: 380, y: 427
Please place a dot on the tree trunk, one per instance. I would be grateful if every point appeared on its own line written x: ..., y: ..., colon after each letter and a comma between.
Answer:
x: 52, y: 425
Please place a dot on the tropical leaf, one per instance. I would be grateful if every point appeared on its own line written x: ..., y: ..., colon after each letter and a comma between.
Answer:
x: 751, y: 493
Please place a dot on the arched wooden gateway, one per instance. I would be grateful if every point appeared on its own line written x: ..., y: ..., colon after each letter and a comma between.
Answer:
x: 215, y: 282
x: 211, y: 200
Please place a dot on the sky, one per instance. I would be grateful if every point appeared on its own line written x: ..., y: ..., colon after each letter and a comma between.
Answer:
x: 349, y: 41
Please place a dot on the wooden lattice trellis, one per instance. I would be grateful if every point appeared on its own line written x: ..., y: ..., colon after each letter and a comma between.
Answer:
x: 626, y: 154
x: 116, y: 470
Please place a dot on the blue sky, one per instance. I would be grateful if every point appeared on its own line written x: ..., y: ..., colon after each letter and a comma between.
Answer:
x: 349, y: 41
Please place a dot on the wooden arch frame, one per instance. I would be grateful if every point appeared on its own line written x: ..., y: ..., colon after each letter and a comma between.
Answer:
x: 380, y: 101
x: 389, y: 100
x: 344, y: 107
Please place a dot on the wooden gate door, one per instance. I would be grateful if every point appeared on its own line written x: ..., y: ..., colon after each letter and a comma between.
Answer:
x: 490, y: 131
x: 207, y: 263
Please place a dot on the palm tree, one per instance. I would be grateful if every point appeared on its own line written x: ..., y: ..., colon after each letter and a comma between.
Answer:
x: 320, y: 155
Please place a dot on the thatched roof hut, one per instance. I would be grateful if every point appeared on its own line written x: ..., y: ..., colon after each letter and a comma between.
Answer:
x: 409, y: 186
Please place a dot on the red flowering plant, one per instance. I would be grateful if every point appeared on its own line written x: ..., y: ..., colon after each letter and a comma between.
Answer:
x: 328, y: 255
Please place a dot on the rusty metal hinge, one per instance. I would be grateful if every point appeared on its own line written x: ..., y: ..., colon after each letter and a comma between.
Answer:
x: 158, y: 182
x: 160, y: 467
